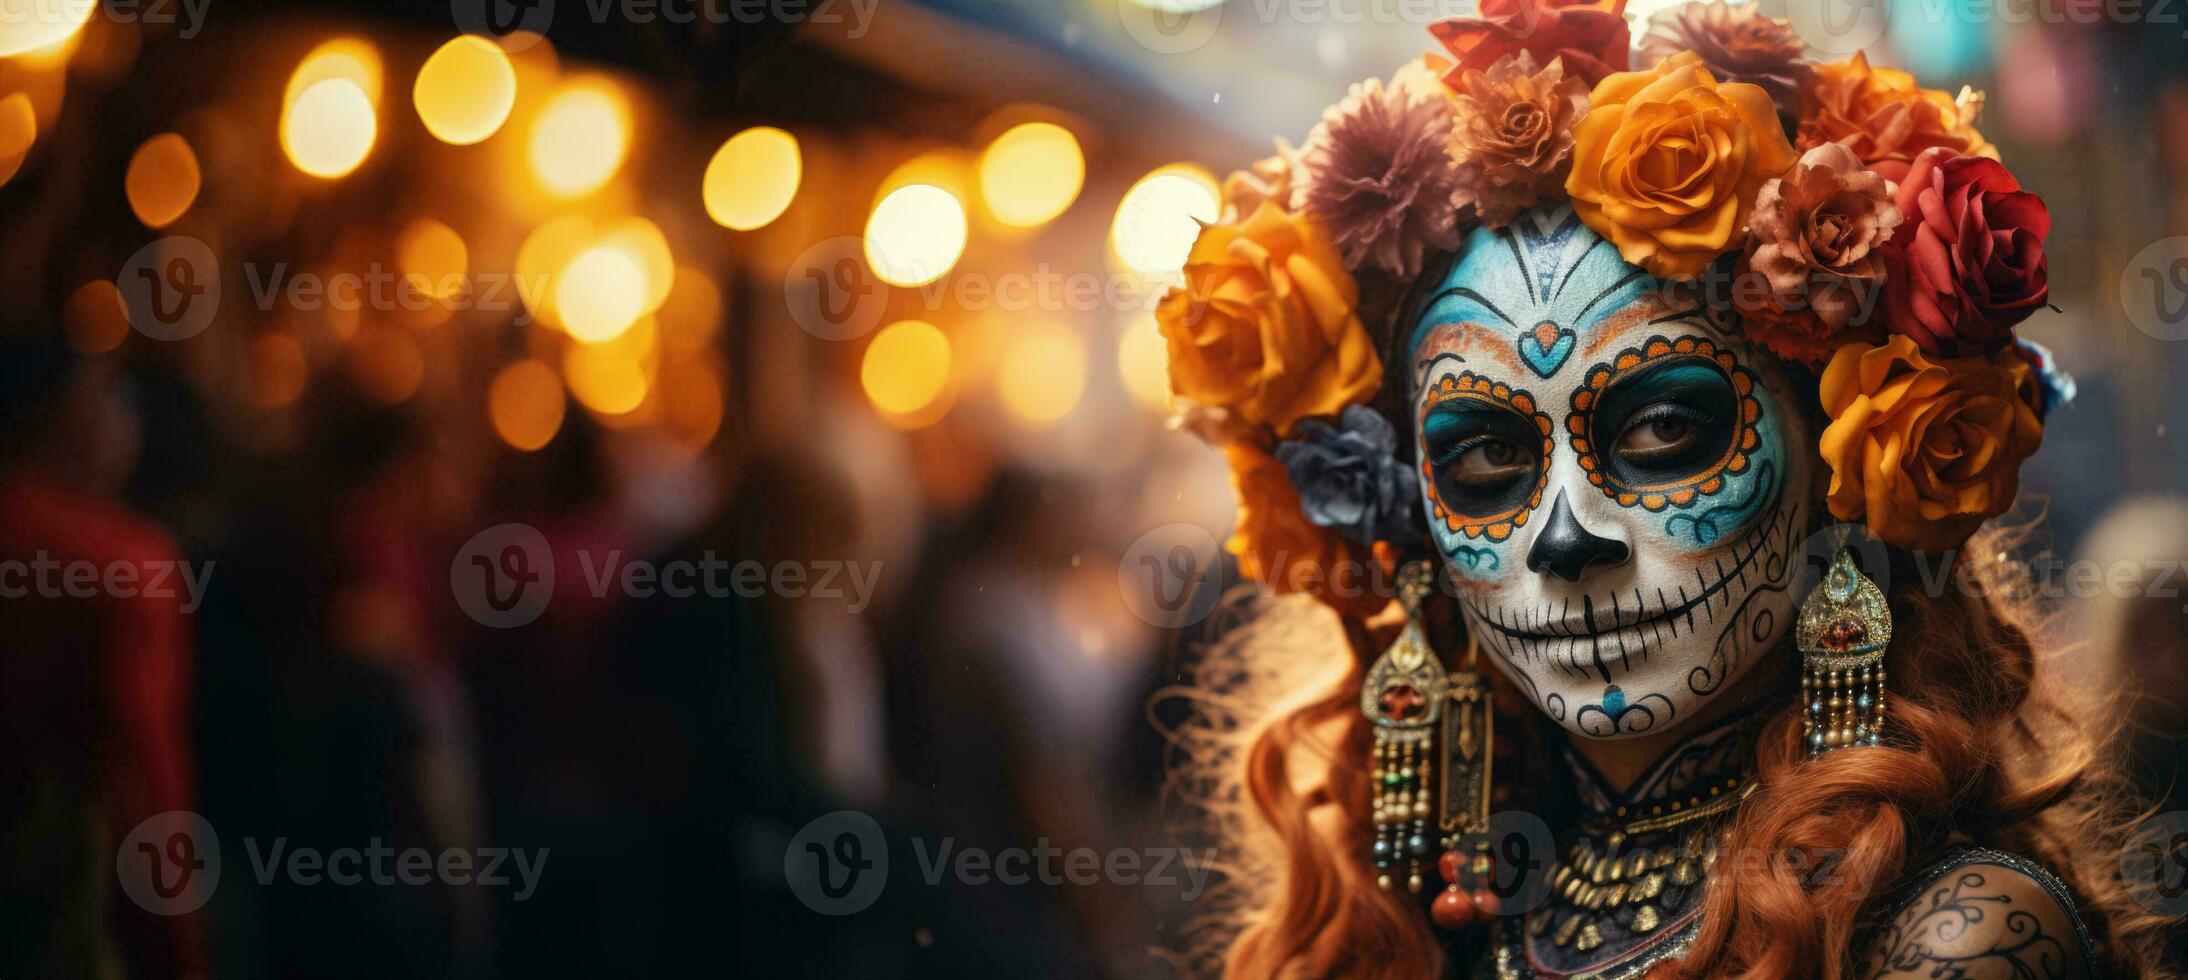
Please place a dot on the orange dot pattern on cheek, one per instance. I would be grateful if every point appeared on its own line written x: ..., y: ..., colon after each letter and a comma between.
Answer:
x: 1681, y: 493
x: 1469, y: 386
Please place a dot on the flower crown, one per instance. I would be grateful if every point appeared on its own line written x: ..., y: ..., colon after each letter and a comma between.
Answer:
x: 1839, y: 188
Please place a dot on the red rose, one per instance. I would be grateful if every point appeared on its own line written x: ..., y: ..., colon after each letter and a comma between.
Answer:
x: 1591, y: 35
x: 1968, y: 263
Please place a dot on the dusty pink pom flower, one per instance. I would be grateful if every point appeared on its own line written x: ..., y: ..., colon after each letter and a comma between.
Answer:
x: 1377, y: 173
x: 1514, y: 134
x: 1736, y: 43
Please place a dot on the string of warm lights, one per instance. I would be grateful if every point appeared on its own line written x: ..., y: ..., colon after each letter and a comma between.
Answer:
x: 601, y: 286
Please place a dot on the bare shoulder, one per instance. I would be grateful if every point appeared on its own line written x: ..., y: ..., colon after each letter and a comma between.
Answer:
x: 1979, y: 920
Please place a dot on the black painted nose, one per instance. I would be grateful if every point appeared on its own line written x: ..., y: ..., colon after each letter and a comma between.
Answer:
x: 1565, y: 549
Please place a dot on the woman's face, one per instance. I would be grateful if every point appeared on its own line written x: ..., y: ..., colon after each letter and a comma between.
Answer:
x: 1612, y: 478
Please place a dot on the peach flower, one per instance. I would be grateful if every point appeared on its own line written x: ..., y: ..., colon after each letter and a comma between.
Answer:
x: 1513, y: 135
x: 1668, y: 161
x: 1815, y: 239
x: 1884, y: 117
x: 1925, y: 449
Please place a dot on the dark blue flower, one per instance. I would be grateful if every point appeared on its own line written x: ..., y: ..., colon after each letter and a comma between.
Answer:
x: 1350, y: 478
x: 2055, y: 386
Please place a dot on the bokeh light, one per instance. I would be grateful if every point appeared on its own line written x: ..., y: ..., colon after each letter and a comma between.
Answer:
x: 915, y: 235
x: 693, y: 312
x: 580, y: 137
x: 906, y: 368
x: 18, y: 131
x: 692, y: 401
x: 465, y: 90
x: 752, y: 178
x: 1160, y: 216
x: 386, y: 363
x: 95, y: 318
x: 433, y: 258
x: 1143, y: 362
x: 604, y: 379
x: 1031, y: 174
x: 525, y: 403
x: 349, y: 58
x: 275, y: 370
x: 1042, y: 372
x: 601, y: 293
x: 643, y: 240
x: 329, y: 129
x: 541, y: 259
x: 28, y: 25
x: 162, y: 180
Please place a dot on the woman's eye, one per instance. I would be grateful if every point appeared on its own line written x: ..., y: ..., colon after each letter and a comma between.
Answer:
x: 1484, y: 460
x: 1666, y: 423
x: 1657, y: 438
x: 1492, y: 463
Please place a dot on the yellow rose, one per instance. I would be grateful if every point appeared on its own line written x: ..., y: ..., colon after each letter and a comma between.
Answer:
x: 1667, y: 163
x: 1264, y: 325
x: 1925, y: 449
x: 1278, y: 546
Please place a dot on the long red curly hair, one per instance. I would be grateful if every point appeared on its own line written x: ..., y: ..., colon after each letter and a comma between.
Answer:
x: 1989, y: 745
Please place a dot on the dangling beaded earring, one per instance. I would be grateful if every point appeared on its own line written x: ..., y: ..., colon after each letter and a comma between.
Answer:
x: 1403, y: 698
x: 1844, y: 627
x: 1468, y: 748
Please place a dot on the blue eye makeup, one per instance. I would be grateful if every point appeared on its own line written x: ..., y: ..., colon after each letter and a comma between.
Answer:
x: 1483, y: 459
x: 1666, y: 422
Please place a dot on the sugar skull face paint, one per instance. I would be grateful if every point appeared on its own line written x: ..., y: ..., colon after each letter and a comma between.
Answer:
x: 1610, y: 475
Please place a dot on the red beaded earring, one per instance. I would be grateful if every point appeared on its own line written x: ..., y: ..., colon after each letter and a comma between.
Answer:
x: 1468, y: 745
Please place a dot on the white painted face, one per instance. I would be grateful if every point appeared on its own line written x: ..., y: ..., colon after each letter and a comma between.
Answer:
x: 1614, y: 479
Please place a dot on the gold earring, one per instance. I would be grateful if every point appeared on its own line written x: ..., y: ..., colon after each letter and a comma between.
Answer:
x: 1844, y: 627
x: 1469, y: 749
x: 1402, y: 698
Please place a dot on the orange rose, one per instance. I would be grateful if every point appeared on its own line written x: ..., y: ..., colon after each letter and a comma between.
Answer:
x: 1264, y: 324
x: 1667, y: 163
x: 1884, y: 117
x: 1925, y: 450
x: 1278, y: 546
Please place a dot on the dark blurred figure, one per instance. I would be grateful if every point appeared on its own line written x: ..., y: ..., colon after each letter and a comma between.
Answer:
x: 334, y: 714
x: 93, y: 712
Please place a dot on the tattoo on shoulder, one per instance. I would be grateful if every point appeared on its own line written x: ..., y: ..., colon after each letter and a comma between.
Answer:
x: 1977, y: 923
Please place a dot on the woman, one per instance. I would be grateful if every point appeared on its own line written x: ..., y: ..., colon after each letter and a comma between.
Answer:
x: 1667, y: 383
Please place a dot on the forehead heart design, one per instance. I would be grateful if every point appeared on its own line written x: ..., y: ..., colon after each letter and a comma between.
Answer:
x: 1543, y: 277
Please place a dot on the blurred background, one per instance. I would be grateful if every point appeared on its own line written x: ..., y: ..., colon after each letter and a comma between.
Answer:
x: 334, y: 306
